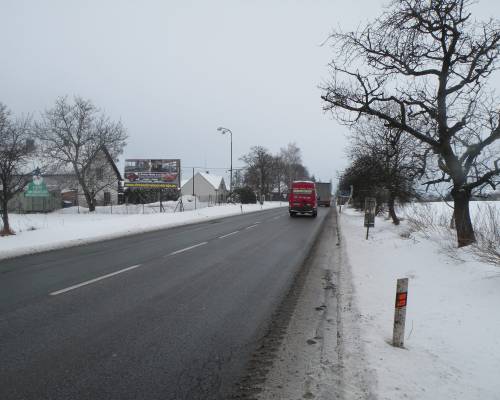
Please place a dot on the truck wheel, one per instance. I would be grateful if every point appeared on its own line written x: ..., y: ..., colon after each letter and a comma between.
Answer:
x: 292, y: 214
x: 315, y: 213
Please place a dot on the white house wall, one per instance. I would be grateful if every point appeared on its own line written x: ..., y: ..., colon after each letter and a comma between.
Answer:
x: 203, y: 190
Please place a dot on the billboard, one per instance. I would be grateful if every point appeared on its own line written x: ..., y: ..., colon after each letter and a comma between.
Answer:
x: 152, y: 174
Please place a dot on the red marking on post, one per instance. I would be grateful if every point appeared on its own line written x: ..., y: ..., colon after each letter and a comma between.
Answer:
x: 401, y: 299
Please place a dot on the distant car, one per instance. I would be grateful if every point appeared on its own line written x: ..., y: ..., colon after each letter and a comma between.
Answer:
x: 67, y: 204
x: 168, y: 177
x: 131, y: 176
x: 302, y: 199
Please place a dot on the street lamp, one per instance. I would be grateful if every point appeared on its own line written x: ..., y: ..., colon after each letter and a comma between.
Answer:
x: 224, y: 131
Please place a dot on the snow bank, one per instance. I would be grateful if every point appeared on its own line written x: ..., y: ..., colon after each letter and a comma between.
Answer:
x: 452, y: 326
x: 67, y: 227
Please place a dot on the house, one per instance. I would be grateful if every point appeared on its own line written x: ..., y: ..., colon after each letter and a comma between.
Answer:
x: 103, y: 179
x: 207, y: 188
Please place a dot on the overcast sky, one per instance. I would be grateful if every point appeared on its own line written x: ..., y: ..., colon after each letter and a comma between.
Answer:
x: 173, y: 71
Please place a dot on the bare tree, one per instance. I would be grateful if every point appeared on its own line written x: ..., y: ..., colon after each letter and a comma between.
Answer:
x: 430, y: 62
x: 266, y: 172
x: 15, y: 151
x: 77, y: 135
x: 279, y: 168
x: 292, y: 160
x: 238, y: 178
x: 258, y: 174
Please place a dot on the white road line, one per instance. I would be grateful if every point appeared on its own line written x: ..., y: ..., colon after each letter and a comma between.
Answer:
x: 229, y: 234
x: 251, y: 226
x: 94, y: 280
x: 187, y: 248
x: 279, y: 216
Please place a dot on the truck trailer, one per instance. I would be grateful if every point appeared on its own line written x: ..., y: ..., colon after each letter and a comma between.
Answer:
x: 324, y: 193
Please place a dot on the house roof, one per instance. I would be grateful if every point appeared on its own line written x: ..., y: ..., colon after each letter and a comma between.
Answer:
x: 111, y: 162
x: 214, y: 180
x: 38, y: 161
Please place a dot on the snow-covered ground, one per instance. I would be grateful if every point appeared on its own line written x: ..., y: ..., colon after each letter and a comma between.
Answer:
x: 73, y: 226
x: 452, y: 341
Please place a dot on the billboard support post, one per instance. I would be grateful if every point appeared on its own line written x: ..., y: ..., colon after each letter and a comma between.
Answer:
x: 194, y: 194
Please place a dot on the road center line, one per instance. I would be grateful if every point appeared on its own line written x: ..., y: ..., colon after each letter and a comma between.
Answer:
x: 187, y: 248
x: 100, y: 278
x: 229, y: 234
x: 251, y: 226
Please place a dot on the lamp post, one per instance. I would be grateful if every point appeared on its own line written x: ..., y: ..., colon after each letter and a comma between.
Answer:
x: 224, y: 131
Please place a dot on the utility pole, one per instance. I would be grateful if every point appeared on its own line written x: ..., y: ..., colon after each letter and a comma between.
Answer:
x: 194, y: 195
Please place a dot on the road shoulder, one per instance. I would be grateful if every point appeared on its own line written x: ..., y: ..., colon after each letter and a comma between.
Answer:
x: 318, y: 355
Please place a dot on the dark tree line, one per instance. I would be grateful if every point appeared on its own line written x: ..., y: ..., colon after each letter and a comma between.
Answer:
x: 422, y: 68
x: 385, y: 164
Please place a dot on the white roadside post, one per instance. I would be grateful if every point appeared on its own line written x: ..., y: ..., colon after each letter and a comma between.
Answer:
x: 400, y: 313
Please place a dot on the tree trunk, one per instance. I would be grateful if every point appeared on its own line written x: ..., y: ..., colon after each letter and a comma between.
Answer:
x: 88, y: 198
x: 90, y: 202
x: 463, y: 224
x: 392, y: 211
x: 86, y: 192
x: 5, y: 219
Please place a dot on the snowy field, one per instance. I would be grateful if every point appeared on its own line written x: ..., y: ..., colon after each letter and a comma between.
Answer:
x: 74, y: 226
x: 452, y: 340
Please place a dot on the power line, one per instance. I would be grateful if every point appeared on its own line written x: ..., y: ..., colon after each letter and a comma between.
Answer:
x: 206, y: 167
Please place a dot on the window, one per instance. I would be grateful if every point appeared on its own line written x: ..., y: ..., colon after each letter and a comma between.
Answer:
x: 30, y: 145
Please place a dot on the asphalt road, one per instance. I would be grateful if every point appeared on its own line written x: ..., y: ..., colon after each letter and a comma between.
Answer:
x: 172, y: 314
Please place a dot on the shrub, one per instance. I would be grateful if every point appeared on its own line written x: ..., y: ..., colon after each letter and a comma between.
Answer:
x: 245, y: 195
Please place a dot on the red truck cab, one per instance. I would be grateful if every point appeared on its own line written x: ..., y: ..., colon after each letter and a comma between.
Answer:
x: 302, y: 198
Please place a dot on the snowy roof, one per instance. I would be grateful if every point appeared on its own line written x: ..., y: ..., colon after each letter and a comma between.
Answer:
x: 184, y: 181
x: 38, y: 162
x: 214, y: 180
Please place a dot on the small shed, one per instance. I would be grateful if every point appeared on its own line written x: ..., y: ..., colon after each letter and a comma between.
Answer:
x: 207, y: 188
x: 24, y: 203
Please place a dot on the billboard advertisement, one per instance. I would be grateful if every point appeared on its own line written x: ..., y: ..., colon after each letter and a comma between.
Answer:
x: 152, y: 174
